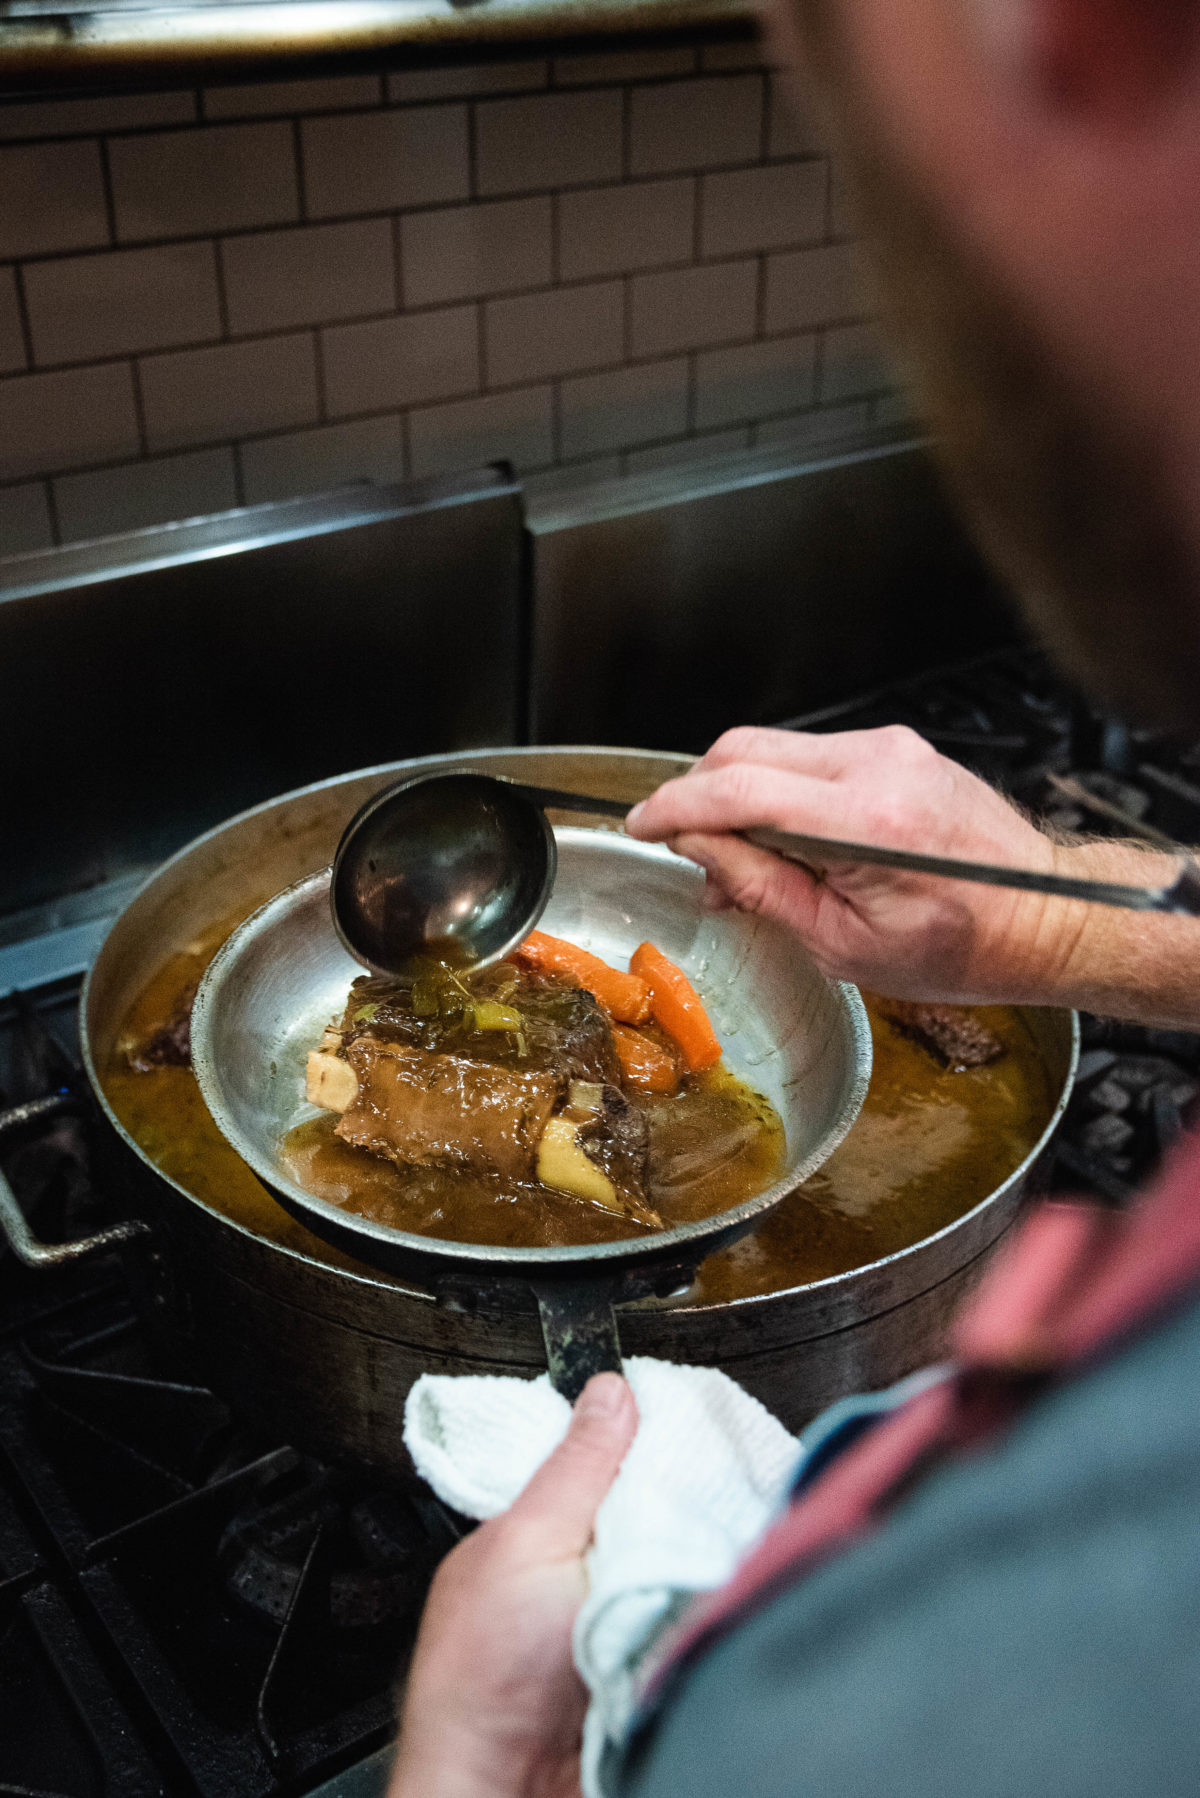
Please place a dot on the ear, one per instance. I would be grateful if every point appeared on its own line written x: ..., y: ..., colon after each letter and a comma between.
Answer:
x: 1109, y: 58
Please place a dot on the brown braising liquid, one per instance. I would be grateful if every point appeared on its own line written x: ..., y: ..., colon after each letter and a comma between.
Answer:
x: 930, y: 1144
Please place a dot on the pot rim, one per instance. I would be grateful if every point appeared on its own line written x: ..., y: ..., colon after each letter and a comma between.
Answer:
x: 829, y: 1287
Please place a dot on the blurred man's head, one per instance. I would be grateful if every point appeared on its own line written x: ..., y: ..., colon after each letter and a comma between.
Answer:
x: 1030, y: 170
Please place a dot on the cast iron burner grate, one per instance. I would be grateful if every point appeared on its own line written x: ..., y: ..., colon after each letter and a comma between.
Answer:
x: 184, y: 1609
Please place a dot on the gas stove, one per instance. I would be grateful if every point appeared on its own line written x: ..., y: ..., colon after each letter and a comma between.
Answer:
x: 190, y: 1609
x: 185, y: 1608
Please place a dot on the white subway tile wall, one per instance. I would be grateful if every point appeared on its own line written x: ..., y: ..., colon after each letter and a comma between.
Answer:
x: 628, y: 405
x: 588, y: 267
x: 554, y: 333
x: 548, y: 141
x: 686, y: 308
x: 229, y: 390
x: 704, y: 447
x: 462, y: 252
x: 516, y: 427
x: 309, y: 276
x: 25, y: 517
x: 80, y: 416
x: 187, y: 183
x: 51, y: 198
x: 614, y: 230
x: 84, y: 307
x: 154, y: 492
x: 398, y: 361
x: 367, y: 449
x: 380, y: 161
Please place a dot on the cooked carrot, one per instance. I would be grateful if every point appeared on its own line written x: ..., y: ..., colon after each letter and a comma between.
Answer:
x: 623, y: 996
x: 646, y: 1065
x: 675, y: 1005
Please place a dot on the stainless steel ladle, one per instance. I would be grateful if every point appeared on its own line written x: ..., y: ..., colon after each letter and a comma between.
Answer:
x: 461, y: 866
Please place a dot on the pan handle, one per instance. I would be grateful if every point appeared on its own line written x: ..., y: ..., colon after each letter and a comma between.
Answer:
x: 579, y: 1328
x: 34, y: 1253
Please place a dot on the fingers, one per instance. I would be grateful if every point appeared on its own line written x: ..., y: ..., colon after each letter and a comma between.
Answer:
x: 753, y: 880
x: 830, y: 755
x: 558, y: 1507
x: 739, y: 796
x: 797, y: 781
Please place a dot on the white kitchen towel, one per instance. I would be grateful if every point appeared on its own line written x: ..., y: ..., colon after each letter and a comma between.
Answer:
x: 707, y: 1470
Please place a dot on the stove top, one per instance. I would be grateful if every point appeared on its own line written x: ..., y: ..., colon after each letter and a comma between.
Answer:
x: 184, y: 1608
x: 190, y: 1610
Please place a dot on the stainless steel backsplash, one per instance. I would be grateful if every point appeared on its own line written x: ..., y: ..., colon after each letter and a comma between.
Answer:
x: 153, y: 684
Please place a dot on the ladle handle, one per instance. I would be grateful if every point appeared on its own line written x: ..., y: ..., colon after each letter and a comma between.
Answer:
x: 555, y: 799
x: 1182, y: 895
x: 579, y: 1328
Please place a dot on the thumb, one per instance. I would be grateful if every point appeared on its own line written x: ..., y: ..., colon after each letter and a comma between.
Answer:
x: 558, y: 1507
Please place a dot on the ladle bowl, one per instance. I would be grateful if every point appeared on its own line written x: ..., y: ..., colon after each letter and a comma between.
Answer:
x: 457, y: 867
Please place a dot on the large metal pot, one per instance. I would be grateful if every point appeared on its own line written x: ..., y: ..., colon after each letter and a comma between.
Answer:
x: 297, y: 1334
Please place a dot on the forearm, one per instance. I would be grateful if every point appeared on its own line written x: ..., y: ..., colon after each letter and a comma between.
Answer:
x: 1144, y: 966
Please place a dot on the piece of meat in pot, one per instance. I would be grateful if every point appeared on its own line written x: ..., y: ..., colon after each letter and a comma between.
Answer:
x: 170, y: 1046
x: 950, y: 1034
x: 617, y: 1139
x: 567, y: 1030
x: 564, y: 1030
x: 417, y: 1107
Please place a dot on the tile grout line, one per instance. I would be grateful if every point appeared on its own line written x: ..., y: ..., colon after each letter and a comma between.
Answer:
x: 52, y: 509
x: 472, y: 117
x: 23, y: 319
x: 139, y: 406
x: 222, y: 289
x: 481, y: 344
x: 318, y: 350
x: 398, y: 276
x: 239, y: 473
x: 110, y: 204
x: 298, y: 169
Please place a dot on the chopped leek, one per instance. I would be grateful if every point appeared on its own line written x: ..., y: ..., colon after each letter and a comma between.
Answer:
x: 489, y: 1015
